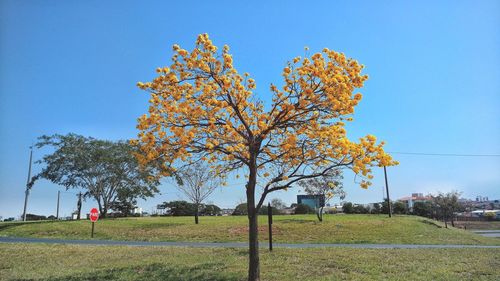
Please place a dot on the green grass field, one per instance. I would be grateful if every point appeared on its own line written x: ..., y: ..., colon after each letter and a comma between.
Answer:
x: 79, y: 263
x: 287, y: 229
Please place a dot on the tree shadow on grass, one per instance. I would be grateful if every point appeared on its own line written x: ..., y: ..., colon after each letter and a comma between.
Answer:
x: 155, y: 272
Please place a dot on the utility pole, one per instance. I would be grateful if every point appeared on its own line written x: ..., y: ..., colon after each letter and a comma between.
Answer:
x: 58, y: 196
x: 387, y: 190
x: 27, y: 192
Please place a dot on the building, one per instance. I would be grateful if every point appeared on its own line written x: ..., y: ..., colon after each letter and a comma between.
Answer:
x: 137, y: 211
x: 482, y: 213
x: 313, y: 201
x: 414, y: 198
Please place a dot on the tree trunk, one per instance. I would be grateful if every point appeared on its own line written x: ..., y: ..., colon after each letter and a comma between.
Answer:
x: 253, y: 239
x: 253, y: 228
x: 79, y: 206
x: 196, y: 214
x: 103, y: 209
x: 320, y: 214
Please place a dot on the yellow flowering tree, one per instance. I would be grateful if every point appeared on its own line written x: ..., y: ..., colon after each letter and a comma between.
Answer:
x: 202, y: 109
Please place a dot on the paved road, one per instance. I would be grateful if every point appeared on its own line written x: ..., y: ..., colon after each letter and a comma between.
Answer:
x: 487, y: 233
x: 231, y: 244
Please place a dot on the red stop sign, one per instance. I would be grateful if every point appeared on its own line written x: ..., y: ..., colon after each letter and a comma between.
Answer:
x: 94, y: 214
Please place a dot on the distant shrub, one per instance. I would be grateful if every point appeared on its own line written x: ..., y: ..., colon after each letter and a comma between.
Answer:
x: 33, y: 217
x: 348, y: 208
x: 303, y: 209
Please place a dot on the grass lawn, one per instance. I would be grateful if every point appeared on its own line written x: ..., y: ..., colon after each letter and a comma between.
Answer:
x: 78, y: 263
x: 286, y: 229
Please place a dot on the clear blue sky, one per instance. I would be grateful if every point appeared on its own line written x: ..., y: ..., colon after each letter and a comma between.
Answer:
x: 72, y: 66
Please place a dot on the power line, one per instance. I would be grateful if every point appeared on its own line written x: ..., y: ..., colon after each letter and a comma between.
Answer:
x: 444, y: 154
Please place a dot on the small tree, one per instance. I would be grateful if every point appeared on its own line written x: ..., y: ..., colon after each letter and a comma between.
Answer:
x: 180, y: 208
x: 210, y: 210
x: 385, y: 206
x: 376, y: 209
x: 303, y: 209
x: 360, y: 209
x: 197, y: 182
x: 399, y: 207
x: 423, y: 209
x: 327, y: 186
x: 240, y: 210
x: 445, y: 205
x: 278, y: 204
x: 201, y: 108
x: 348, y: 208
x: 103, y: 168
x: 124, y: 204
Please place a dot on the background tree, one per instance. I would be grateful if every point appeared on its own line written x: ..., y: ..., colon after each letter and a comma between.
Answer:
x: 180, y: 208
x: 210, y: 210
x: 278, y: 204
x: 328, y: 185
x: 399, y: 208
x: 377, y: 208
x: 348, y: 208
x: 423, y: 209
x: 385, y: 206
x: 240, y: 210
x: 360, y: 209
x: 102, y: 168
x: 197, y: 183
x: 201, y: 109
x: 303, y: 209
x: 125, y: 202
x: 446, y: 204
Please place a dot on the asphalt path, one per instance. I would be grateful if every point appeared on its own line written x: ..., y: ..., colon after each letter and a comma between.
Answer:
x: 232, y: 244
x: 487, y: 233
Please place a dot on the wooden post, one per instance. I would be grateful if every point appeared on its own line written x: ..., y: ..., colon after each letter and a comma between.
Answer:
x: 92, y: 233
x: 270, y: 222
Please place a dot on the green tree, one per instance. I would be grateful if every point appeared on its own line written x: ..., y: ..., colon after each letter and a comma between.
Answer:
x: 303, y: 209
x: 104, y: 169
x: 180, y: 208
x: 360, y: 209
x: 210, y: 210
x: 376, y: 209
x: 240, y: 210
x: 399, y: 208
x: 385, y: 206
x: 445, y: 205
x: 423, y: 209
x: 348, y: 208
x: 278, y: 204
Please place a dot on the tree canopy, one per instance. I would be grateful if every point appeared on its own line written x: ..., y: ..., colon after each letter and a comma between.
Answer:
x: 105, y: 169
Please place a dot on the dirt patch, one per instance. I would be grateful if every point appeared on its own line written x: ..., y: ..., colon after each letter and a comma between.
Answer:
x: 243, y: 230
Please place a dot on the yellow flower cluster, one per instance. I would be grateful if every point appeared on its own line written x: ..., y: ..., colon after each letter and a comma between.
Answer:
x: 202, y: 109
